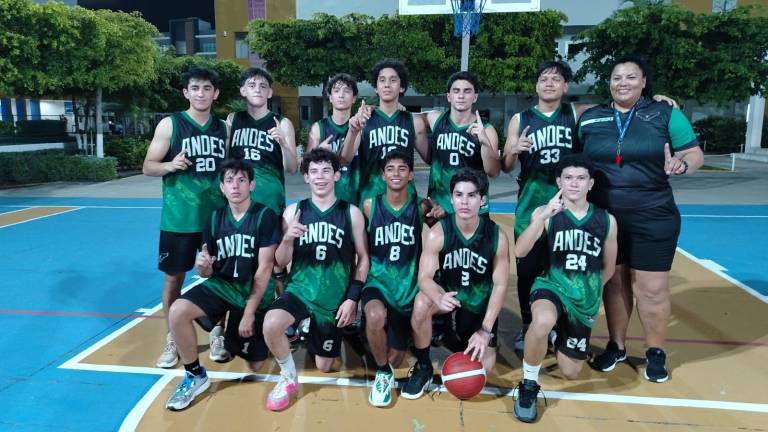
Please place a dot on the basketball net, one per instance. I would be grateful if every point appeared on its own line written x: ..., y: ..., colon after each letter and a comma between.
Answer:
x: 466, y: 16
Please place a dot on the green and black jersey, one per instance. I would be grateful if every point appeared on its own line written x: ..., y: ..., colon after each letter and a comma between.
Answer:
x: 191, y: 195
x: 235, y: 245
x: 394, y: 241
x: 640, y: 180
x: 382, y: 134
x: 553, y: 138
x: 251, y: 141
x: 322, y: 258
x: 466, y: 264
x: 452, y: 148
x: 349, y: 183
x: 575, y: 272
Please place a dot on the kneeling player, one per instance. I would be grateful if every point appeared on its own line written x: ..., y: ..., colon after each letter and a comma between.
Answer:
x: 470, y: 255
x: 394, y: 237
x: 238, y: 252
x: 581, y: 242
x: 324, y: 238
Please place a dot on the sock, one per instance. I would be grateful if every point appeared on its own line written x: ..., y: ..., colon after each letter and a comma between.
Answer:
x: 287, y: 365
x: 385, y: 368
x: 217, y: 330
x: 422, y: 356
x: 531, y: 372
x: 194, y: 368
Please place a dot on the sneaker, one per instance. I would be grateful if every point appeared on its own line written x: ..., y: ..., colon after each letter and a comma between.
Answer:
x: 280, y: 397
x: 608, y: 360
x: 519, y: 344
x: 218, y: 352
x: 418, y: 382
x: 303, y: 329
x: 381, y: 392
x: 655, y: 371
x: 170, y: 355
x: 525, y: 405
x: 187, y: 390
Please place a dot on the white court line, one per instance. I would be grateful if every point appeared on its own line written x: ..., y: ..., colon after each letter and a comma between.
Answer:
x: 41, y: 217
x: 21, y: 208
x: 131, y: 421
x: 725, y: 216
x: 85, y: 206
x: 707, y: 265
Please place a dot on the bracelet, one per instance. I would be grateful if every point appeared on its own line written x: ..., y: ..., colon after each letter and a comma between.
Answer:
x: 486, y: 331
x: 685, y: 167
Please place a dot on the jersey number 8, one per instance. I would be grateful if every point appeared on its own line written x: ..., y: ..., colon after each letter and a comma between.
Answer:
x: 394, y: 253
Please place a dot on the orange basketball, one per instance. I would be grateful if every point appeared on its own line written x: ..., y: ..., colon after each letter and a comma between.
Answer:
x: 462, y: 376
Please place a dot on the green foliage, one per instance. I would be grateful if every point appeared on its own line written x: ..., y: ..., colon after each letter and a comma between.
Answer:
x: 710, y: 58
x: 48, y: 166
x: 128, y: 151
x: 505, y: 54
x: 7, y: 127
x: 725, y: 134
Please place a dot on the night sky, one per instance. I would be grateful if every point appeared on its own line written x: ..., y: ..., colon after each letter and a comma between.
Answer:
x: 158, y: 12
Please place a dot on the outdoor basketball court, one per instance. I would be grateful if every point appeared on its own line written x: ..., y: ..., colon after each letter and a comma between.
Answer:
x: 82, y: 327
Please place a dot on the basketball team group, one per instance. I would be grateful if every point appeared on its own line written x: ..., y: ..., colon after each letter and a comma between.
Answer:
x: 363, y: 258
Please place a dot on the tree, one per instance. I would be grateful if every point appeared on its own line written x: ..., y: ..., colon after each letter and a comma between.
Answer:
x: 505, y: 53
x: 710, y: 58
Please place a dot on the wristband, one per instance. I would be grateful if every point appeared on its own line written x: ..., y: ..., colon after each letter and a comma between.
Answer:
x: 280, y: 275
x: 355, y: 289
x: 486, y: 331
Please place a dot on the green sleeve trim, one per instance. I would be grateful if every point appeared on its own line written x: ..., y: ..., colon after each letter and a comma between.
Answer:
x: 680, y: 131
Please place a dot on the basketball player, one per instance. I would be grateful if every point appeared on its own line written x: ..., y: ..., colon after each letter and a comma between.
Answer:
x: 581, y: 242
x: 470, y: 256
x: 186, y: 151
x: 394, y: 240
x: 460, y: 139
x: 331, y: 131
x: 237, y: 256
x: 324, y: 239
x: 374, y: 132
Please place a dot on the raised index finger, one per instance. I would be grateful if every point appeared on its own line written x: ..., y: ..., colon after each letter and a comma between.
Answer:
x: 667, y: 153
x: 478, y: 120
x: 524, y: 133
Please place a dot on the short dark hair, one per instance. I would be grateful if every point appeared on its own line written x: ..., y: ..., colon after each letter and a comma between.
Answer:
x: 236, y: 165
x: 317, y: 155
x: 465, y: 76
x: 466, y: 174
x: 575, y: 160
x: 645, y: 68
x: 397, y: 65
x: 342, y: 78
x: 398, y: 153
x: 255, y: 71
x: 200, y: 73
x: 560, y: 67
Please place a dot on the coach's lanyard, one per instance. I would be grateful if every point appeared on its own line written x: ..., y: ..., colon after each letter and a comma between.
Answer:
x: 622, y: 127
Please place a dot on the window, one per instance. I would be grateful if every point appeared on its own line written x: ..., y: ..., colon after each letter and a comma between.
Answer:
x: 720, y: 6
x: 241, y: 45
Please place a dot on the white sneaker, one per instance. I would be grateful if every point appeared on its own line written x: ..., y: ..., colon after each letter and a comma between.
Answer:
x: 381, y: 392
x: 218, y: 352
x: 170, y: 355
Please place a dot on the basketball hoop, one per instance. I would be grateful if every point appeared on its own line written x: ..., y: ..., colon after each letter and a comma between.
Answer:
x: 466, y: 16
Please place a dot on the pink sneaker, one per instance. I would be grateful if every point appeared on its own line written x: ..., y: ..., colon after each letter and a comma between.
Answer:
x: 280, y: 396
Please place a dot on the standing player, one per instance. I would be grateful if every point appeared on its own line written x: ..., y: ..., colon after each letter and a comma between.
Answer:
x: 581, y: 243
x: 460, y: 139
x: 539, y: 137
x: 394, y: 239
x: 187, y: 149
x: 324, y: 239
x: 331, y: 131
x: 377, y: 131
x: 463, y: 271
x: 237, y: 256
x: 264, y: 138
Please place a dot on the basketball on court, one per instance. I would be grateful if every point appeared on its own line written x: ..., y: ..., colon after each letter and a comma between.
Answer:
x: 462, y: 376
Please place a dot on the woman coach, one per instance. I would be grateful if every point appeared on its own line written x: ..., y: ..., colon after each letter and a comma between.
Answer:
x: 636, y: 144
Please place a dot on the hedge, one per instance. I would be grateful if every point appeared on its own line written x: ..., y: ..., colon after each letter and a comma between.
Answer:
x: 129, y: 152
x: 725, y: 134
x: 48, y: 166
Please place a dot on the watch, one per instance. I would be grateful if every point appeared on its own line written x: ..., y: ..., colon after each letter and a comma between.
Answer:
x: 685, y: 167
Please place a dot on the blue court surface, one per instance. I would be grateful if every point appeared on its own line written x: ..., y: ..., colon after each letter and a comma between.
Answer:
x: 71, y: 278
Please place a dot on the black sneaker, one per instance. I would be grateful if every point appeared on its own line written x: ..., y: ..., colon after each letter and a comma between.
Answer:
x: 525, y: 405
x: 418, y: 382
x: 519, y: 343
x: 608, y: 360
x: 655, y: 371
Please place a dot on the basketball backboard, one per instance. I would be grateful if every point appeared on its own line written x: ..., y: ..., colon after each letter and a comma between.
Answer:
x: 432, y: 7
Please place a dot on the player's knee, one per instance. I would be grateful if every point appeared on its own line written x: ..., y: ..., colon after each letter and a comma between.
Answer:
x: 542, y: 323
x: 375, y: 315
x: 254, y: 366
x: 421, y: 307
x: 571, y: 370
x: 272, y: 324
x: 179, y: 311
x: 324, y: 364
